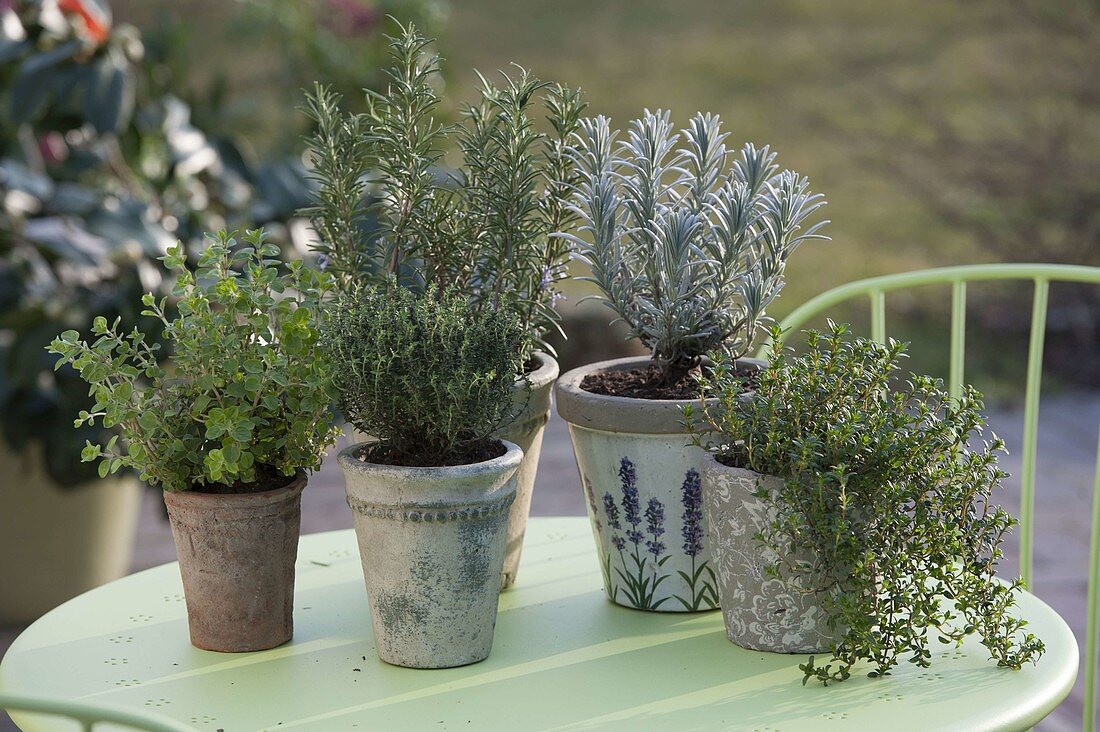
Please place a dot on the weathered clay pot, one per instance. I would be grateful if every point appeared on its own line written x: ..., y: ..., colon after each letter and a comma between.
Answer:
x: 641, y: 480
x: 533, y: 401
x: 236, y: 553
x: 55, y: 542
x: 432, y: 543
x: 761, y: 612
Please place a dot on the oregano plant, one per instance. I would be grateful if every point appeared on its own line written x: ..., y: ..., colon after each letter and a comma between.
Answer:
x: 243, y: 401
x: 886, y: 487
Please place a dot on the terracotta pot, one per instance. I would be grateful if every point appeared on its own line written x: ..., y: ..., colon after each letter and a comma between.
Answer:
x: 532, y: 402
x: 641, y: 481
x: 236, y: 554
x: 761, y: 612
x: 55, y: 542
x: 432, y: 544
x: 526, y: 431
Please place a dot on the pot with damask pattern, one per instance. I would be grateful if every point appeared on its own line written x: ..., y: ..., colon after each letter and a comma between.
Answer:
x: 765, y: 605
x: 432, y: 542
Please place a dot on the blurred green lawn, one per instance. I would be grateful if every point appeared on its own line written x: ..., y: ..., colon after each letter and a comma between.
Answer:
x: 827, y: 84
x: 788, y: 74
x: 816, y: 80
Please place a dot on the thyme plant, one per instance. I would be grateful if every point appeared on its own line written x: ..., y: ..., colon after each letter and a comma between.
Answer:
x: 387, y: 207
x: 427, y: 373
x: 887, y: 486
x: 687, y: 242
x: 244, y: 402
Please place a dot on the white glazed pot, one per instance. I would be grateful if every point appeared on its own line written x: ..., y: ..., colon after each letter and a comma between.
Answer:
x: 432, y: 544
x: 641, y: 479
x: 531, y: 400
x: 761, y: 612
x: 56, y: 543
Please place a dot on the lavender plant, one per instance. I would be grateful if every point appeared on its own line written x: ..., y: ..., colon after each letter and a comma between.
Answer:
x: 687, y: 242
x: 387, y: 207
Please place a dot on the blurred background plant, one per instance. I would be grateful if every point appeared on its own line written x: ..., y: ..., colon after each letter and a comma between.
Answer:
x: 961, y: 133
x: 111, y: 150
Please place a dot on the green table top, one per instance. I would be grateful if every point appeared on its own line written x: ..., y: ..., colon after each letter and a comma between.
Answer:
x: 564, y: 659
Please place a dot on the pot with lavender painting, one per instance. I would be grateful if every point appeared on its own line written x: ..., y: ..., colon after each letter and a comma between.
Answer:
x: 687, y: 241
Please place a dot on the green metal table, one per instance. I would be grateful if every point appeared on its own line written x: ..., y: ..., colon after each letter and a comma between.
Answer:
x: 564, y: 659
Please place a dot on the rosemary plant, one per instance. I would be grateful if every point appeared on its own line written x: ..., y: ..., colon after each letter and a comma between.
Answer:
x: 687, y: 243
x: 883, y: 490
x: 386, y: 207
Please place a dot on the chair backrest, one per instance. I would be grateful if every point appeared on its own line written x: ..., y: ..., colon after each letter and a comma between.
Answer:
x: 86, y: 714
x: 1041, y: 275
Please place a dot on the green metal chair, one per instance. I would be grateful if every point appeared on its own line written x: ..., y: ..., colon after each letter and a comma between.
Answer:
x: 86, y: 714
x: 1041, y: 275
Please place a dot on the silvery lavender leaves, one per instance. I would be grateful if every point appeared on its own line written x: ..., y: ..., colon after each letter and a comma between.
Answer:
x: 687, y: 242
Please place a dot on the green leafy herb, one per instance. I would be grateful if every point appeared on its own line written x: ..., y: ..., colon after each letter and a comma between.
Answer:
x: 887, y: 485
x: 427, y: 373
x: 247, y: 393
x: 486, y: 228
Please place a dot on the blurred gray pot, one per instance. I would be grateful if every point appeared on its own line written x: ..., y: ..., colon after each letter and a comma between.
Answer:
x: 432, y: 544
x: 761, y: 612
x: 532, y: 401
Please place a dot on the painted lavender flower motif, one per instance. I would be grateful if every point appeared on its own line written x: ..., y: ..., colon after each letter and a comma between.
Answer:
x: 640, y: 575
x: 590, y: 495
x: 594, y: 510
x: 631, y: 509
x: 655, y: 526
x: 693, y: 513
x: 640, y: 530
x: 612, y: 511
x: 701, y: 580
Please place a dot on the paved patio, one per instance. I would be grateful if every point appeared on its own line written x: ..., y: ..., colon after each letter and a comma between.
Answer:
x: 1067, y: 446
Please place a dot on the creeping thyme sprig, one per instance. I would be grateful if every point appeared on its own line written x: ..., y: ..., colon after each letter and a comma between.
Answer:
x: 887, y: 485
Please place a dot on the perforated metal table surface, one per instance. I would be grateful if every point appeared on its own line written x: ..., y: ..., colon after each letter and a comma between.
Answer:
x: 564, y: 659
